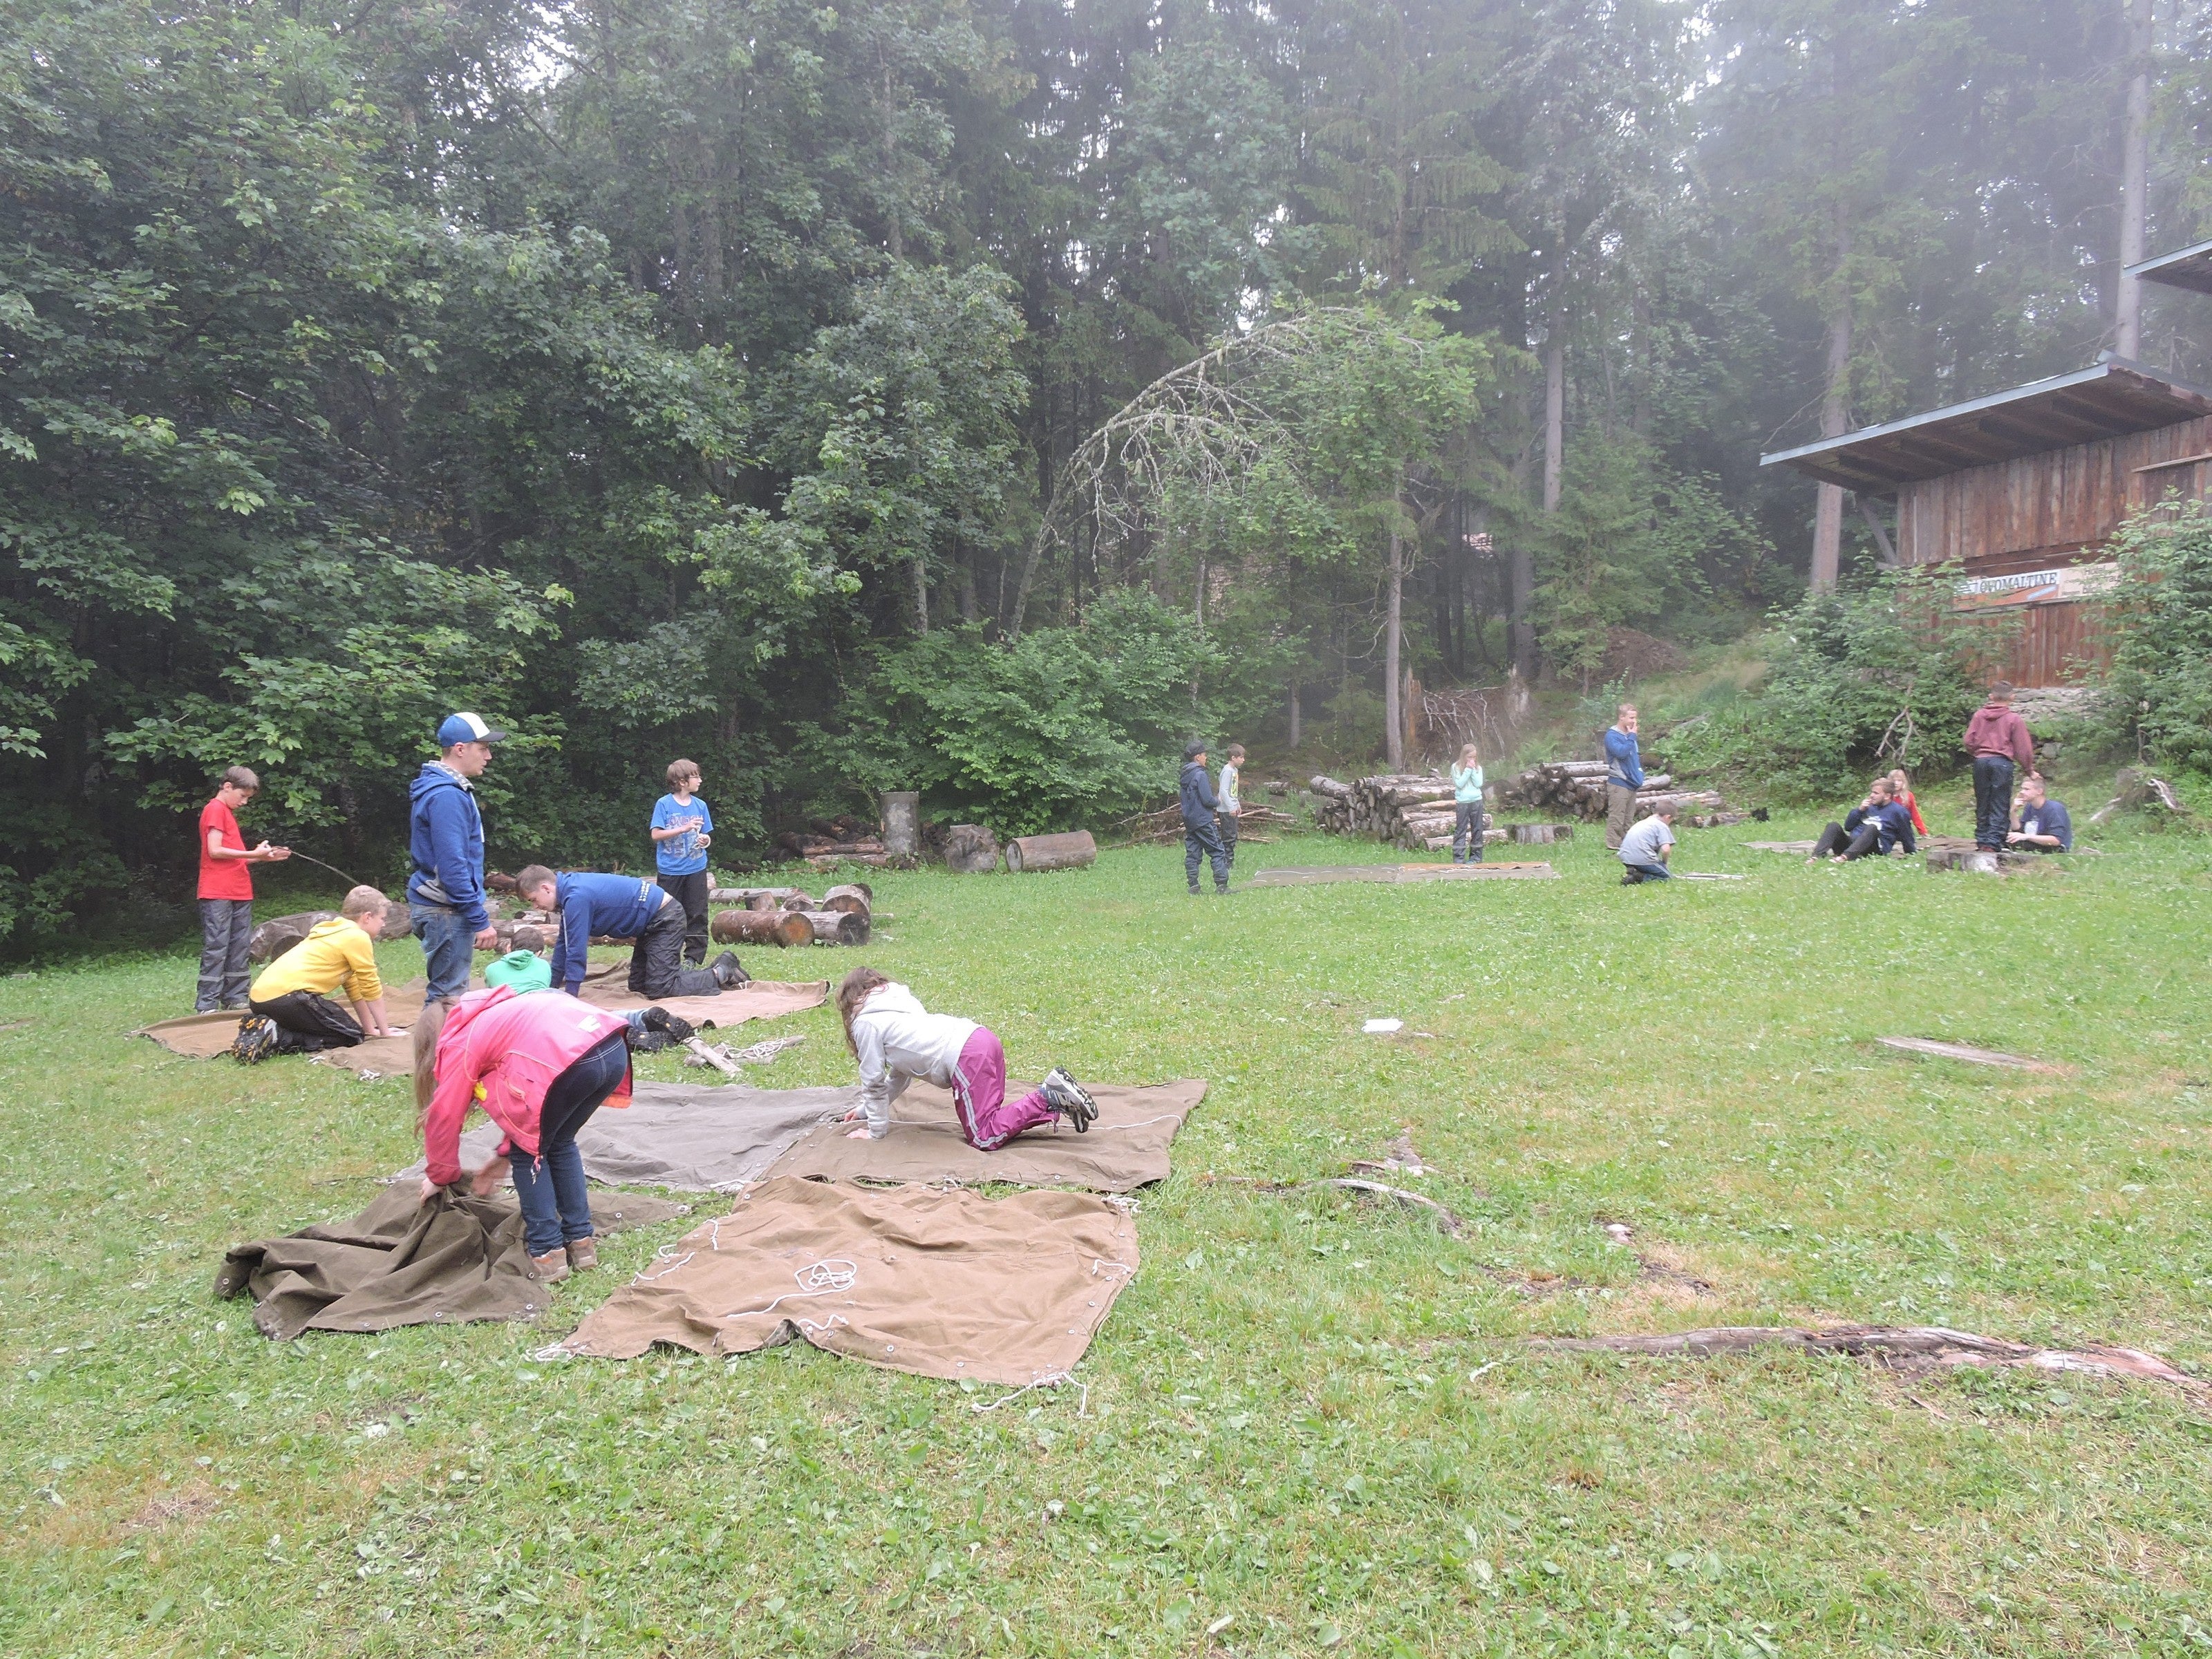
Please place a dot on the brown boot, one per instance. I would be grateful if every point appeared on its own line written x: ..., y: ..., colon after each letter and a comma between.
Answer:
x: 583, y: 1255
x: 550, y: 1268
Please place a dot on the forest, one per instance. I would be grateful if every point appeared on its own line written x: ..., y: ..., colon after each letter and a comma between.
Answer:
x: 977, y: 396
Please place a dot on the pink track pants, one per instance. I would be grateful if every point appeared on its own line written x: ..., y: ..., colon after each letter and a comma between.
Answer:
x: 979, y: 1095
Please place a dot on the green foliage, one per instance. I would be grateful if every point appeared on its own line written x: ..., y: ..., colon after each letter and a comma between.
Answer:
x: 2157, y: 621
x: 1062, y: 727
x: 1879, y: 676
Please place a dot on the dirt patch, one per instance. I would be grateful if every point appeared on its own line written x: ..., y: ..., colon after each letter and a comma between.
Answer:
x: 184, y: 1503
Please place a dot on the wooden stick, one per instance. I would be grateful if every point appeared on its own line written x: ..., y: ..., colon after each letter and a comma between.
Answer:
x: 714, y: 1057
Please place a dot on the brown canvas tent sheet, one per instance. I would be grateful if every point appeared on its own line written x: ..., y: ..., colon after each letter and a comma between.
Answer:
x: 201, y: 1036
x: 696, y: 1137
x: 934, y: 1281
x: 1126, y: 1148
x: 401, y: 1261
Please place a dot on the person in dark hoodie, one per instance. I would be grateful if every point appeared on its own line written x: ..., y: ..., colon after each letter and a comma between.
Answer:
x: 445, y: 887
x: 623, y: 907
x: 1201, y: 830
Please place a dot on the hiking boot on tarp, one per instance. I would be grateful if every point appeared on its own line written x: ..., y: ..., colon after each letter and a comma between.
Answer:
x: 727, y: 972
x: 256, y: 1040
x: 583, y: 1255
x: 550, y: 1268
x: 1070, y: 1100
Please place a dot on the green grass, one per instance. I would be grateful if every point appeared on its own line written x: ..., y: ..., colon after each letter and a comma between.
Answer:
x: 1315, y: 1419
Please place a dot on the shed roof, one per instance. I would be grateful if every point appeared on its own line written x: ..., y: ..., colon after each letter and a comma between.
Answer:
x: 2188, y: 267
x: 2104, y: 401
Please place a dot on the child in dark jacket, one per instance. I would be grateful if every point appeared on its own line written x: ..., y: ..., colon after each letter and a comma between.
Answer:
x: 1202, y: 832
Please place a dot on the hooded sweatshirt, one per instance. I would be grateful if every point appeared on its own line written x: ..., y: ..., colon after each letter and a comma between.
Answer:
x: 899, y: 1040
x: 615, y: 907
x: 445, y: 841
x: 1199, y: 805
x: 502, y: 1052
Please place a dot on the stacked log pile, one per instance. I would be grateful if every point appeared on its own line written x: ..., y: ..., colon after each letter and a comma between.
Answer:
x: 1403, y: 809
x: 1165, y: 826
x: 1578, y: 788
x: 787, y: 916
x: 832, y: 840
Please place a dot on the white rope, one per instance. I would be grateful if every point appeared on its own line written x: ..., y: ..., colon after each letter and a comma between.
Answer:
x: 1053, y: 1381
x: 825, y: 1278
x: 558, y: 1351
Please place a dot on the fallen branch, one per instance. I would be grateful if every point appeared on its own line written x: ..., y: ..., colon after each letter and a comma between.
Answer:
x: 1446, y: 1220
x: 1907, y: 1347
x: 1972, y: 1055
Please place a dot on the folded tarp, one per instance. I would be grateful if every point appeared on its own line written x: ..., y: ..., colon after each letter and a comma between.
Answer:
x: 401, y: 1261
x: 1126, y: 1147
x: 698, y: 1137
x: 201, y: 1036
x: 941, y: 1283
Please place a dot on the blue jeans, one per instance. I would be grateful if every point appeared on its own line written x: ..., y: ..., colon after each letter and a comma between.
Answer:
x: 1651, y: 872
x: 448, y: 949
x: 1992, y: 800
x: 557, y: 1204
x: 226, y: 932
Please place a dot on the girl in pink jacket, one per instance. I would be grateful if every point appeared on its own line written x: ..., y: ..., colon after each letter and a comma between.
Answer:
x: 896, y: 1040
x: 539, y: 1062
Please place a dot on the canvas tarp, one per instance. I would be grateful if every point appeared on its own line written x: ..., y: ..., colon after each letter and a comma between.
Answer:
x: 935, y: 1281
x: 201, y: 1036
x: 698, y: 1137
x: 401, y: 1261
x: 1126, y: 1148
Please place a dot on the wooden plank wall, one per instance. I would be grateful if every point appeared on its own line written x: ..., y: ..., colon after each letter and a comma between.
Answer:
x: 2061, y: 503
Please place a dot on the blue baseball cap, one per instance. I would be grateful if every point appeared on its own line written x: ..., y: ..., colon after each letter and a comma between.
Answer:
x: 468, y: 728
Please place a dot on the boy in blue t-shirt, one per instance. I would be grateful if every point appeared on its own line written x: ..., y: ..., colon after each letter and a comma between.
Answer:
x: 683, y: 829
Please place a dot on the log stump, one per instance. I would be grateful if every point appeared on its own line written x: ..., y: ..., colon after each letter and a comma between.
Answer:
x: 1075, y: 850
x: 856, y: 896
x: 970, y: 850
x: 782, y: 928
x: 834, y: 926
x: 280, y: 934
x: 1542, y: 835
x: 902, y: 811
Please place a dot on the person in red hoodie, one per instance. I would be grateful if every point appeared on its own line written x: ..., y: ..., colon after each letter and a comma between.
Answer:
x: 1997, y: 739
x: 539, y: 1062
x: 1900, y: 791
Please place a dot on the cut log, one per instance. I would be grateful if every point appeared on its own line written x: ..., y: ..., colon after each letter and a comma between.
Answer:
x: 970, y: 850
x: 902, y: 811
x: 835, y: 927
x: 856, y: 895
x: 748, y: 894
x: 1542, y: 835
x: 280, y: 934
x: 797, y: 900
x: 1074, y: 850
x: 783, y: 928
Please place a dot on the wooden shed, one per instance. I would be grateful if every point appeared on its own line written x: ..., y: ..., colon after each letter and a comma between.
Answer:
x: 2024, y: 488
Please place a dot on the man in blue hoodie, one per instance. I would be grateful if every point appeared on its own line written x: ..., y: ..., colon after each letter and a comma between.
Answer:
x: 1623, y: 776
x: 1202, y: 830
x: 623, y: 907
x: 445, y: 889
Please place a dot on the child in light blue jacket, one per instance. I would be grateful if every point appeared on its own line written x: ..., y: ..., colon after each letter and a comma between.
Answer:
x: 1466, y: 805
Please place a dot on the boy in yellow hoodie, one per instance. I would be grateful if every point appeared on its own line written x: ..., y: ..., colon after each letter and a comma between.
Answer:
x: 292, y: 1010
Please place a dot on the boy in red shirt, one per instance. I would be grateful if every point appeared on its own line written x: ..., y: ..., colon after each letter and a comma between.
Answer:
x: 227, y: 893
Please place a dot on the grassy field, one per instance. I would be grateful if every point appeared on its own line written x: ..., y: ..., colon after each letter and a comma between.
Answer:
x: 1312, y: 1427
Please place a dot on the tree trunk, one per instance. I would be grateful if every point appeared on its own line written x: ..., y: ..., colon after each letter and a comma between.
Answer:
x: 1394, y: 708
x: 920, y: 593
x: 834, y: 926
x: 1835, y: 416
x: 1075, y: 850
x: 1298, y: 721
x: 2135, y: 176
x: 1555, y: 415
x: 783, y: 928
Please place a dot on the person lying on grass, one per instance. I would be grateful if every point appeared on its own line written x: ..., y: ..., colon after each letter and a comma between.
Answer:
x: 539, y: 1062
x: 292, y: 1010
x: 896, y: 1040
x: 1879, y: 824
x: 1645, y: 848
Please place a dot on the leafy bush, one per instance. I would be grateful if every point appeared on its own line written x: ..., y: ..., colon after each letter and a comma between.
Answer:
x: 1060, y: 727
x: 1880, y: 675
x: 2157, y: 623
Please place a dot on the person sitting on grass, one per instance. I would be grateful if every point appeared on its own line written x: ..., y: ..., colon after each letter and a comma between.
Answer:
x: 292, y: 1010
x: 1900, y: 791
x: 540, y: 1063
x: 2040, y: 824
x: 1644, y: 848
x: 1879, y: 823
x: 623, y: 907
x: 896, y: 1040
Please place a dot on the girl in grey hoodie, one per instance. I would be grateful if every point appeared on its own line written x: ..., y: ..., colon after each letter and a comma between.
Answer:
x: 896, y: 1040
